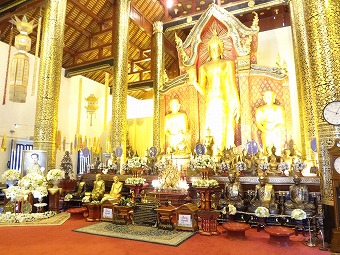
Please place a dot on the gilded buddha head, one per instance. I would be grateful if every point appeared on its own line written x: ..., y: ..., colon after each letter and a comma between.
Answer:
x: 215, y: 46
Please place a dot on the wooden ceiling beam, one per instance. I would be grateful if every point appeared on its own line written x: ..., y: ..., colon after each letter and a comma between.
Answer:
x: 77, y: 28
x: 23, y: 9
x: 86, y: 10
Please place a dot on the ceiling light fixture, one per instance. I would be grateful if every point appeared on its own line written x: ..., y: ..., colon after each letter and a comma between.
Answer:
x: 169, y: 3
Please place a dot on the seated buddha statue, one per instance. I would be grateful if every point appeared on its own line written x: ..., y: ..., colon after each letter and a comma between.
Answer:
x: 116, y: 189
x: 298, y: 197
x: 264, y: 196
x: 287, y: 158
x: 270, y: 119
x: 273, y: 164
x: 234, y: 192
x: 98, y: 188
x: 176, y: 128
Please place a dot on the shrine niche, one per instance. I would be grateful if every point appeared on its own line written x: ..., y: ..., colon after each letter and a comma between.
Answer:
x: 239, y: 48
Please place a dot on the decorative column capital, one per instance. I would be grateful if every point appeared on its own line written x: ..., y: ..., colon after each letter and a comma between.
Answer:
x: 157, y: 27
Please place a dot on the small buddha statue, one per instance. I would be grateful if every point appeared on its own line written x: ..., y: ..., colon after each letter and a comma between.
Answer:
x: 264, y: 196
x: 208, y: 142
x: 298, y: 197
x: 273, y: 164
x: 234, y: 192
x: 296, y: 154
x: 287, y: 159
x: 116, y: 189
x: 98, y: 188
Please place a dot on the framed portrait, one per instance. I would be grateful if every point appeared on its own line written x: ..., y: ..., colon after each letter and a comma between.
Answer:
x: 34, y: 161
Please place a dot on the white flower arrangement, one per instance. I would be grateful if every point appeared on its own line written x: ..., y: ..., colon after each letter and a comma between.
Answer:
x: 264, y: 166
x: 299, y: 166
x: 232, y: 209
x: 11, y: 175
x: 16, y: 192
x: 31, y: 181
x: 40, y: 192
x: 55, y: 174
x: 136, y: 162
x: 241, y: 166
x: 283, y: 166
x: 262, y: 212
x: 298, y: 214
x: 204, y: 161
x: 205, y: 183
x: 25, y: 217
x: 135, y: 180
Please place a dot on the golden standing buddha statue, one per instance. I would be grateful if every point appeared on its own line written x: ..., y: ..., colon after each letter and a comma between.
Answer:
x: 217, y: 82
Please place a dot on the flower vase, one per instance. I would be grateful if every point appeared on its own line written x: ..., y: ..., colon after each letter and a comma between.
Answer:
x: 55, y: 184
x: 10, y: 183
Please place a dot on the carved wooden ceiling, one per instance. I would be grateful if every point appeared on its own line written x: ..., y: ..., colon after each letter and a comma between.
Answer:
x: 88, y: 32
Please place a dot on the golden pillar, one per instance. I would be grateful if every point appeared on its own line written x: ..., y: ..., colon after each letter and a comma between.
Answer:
x: 322, y: 49
x: 307, y: 110
x: 158, y: 70
x: 323, y: 35
x: 46, y: 118
x: 120, y: 43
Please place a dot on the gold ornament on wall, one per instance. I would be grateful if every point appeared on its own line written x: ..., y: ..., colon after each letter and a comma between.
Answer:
x: 92, y: 106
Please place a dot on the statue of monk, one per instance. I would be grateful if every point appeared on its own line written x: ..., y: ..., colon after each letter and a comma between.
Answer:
x: 234, y: 192
x: 264, y: 196
x: 208, y: 142
x: 116, y: 189
x: 217, y: 83
x: 176, y: 127
x: 80, y: 188
x: 299, y: 197
x: 98, y: 188
x: 269, y: 120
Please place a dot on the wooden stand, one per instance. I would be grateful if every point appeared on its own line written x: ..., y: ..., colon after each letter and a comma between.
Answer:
x: 236, y: 230
x: 53, y: 199
x: 164, y: 217
x: 279, y: 235
x: 186, y: 217
x: 94, y: 212
x: 205, y: 195
x: 122, y: 214
x: 209, y: 223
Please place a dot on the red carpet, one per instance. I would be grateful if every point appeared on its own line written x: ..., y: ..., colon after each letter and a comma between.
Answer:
x: 62, y: 240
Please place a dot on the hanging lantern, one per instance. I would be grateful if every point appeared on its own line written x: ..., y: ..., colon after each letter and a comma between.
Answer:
x: 92, y: 106
x: 18, y: 79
